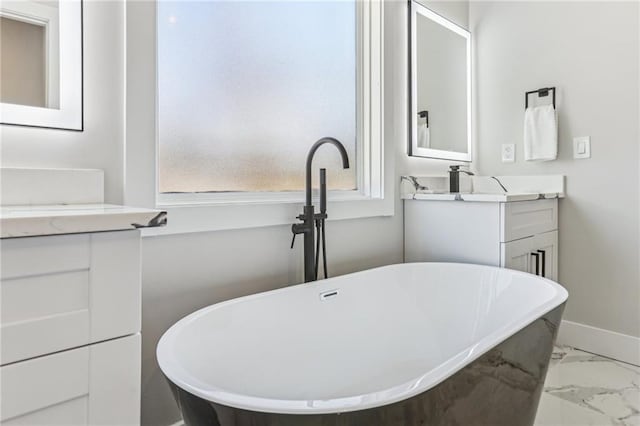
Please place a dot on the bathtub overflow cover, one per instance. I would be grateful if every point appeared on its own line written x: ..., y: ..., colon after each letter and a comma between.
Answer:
x: 328, y: 294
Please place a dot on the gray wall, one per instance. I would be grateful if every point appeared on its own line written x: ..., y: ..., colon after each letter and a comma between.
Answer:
x: 589, y: 50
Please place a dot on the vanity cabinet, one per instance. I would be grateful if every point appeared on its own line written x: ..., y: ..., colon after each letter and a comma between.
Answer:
x: 521, y: 235
x: 93, y: 385
x: 70, y: 321
x: 536, y: 254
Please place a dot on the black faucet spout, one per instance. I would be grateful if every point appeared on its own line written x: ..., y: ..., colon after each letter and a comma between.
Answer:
x: 309, y: 218
x: 312, y: 152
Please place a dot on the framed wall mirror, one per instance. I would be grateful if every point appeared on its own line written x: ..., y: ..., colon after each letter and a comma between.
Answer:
x: 440, y: 86
x: 41, y: 63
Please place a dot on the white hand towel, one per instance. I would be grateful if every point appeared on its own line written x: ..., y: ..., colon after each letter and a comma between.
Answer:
x: 424, y: 136
x: 540, y: 133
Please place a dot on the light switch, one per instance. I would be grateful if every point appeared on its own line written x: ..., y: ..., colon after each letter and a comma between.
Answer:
x: 582, y: 147
x: 508, y: 153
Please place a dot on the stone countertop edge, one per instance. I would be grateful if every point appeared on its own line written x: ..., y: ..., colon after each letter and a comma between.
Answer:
x: 41, y: 220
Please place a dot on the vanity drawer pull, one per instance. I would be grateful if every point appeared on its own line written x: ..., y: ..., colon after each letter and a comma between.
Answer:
x: 544, y: 262
x: 537, y: 256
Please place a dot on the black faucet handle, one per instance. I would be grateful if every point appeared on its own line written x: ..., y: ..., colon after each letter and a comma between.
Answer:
x: 297, y: 228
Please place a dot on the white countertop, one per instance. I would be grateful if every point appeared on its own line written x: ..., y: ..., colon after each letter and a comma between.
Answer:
x: 489, y: 189
x: 480, y: 197
x: 33, y: 220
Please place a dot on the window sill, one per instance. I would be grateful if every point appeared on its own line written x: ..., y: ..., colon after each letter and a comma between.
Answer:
x: 192, y: 217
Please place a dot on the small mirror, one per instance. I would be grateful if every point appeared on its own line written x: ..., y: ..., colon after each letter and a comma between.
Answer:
x: 41, y: 63
x: 440, y: 120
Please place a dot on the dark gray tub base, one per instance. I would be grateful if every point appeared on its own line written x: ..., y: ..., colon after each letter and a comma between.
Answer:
x: 502, y: 387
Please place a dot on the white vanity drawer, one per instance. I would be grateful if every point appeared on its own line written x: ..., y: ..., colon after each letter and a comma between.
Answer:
x: 23, y: 257
x: 61, y: 292
x: 97, y: 384
x: 526, y: 218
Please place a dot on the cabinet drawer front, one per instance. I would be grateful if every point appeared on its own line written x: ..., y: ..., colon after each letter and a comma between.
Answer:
x: 537, y: 254
x: 97, y: 384
x: 23, y: 257
x: 516, y: 255
x: 61, y: 292
x: 526, y: 218
x: 32, y: 385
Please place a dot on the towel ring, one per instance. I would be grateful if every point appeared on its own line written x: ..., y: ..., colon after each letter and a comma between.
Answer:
x: 541, y: 94
x: 425, y: 115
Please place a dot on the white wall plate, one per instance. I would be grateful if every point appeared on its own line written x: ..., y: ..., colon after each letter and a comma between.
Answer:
x: 582, y: 147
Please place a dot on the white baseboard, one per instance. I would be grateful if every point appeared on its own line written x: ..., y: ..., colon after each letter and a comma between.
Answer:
x: 599, y: 341
x: 178, y: 423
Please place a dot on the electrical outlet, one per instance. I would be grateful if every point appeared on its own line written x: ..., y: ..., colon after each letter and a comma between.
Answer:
x: 582, y: 147
x: 508, y: 152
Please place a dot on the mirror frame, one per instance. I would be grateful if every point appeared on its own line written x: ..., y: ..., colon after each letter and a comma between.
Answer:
x: 69, y: 114
x: 416, y: 8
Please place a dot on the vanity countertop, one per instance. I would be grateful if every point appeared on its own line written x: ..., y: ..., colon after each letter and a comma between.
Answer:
x: 34, y: 220
x: 482, y: 197
x: 488, y: 189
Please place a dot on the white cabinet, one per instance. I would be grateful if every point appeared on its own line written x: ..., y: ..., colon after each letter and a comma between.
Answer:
x: 66, y: 291
x: 70, y: 324
x: 521, y: 235
x: 517, y: 254
x: 96, y: 384
x: 536, y: 254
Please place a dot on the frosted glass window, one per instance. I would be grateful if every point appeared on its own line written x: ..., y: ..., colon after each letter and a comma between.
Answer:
x: 245, y: 89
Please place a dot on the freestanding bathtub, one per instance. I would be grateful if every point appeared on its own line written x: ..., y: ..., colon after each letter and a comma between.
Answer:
x: 409, y: 344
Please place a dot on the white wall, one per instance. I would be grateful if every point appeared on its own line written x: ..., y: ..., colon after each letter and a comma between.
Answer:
x: 456, y: 11
x: 101, y: 145
x: 589, y: 51
x: 182, y: 273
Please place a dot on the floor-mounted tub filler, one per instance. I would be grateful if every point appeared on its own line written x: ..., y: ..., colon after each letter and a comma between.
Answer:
x: 409, y: 344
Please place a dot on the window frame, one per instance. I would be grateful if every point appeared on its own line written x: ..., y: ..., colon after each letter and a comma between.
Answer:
x: 198, y: 212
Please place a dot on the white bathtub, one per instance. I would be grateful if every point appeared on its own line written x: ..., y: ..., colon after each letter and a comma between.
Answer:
x: 386, y: 335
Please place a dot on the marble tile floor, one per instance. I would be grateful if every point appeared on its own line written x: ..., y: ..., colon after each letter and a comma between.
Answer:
x: 583, y: 389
